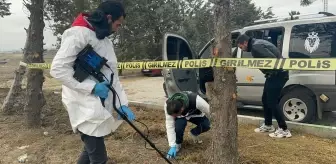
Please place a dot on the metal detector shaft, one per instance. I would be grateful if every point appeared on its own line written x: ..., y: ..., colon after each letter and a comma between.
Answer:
x: 134, y: 127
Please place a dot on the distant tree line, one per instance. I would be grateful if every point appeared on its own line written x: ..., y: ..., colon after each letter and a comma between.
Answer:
x: 147, y: 21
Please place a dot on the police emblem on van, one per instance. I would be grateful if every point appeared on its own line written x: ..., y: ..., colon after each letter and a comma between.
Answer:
x: 312, y: 42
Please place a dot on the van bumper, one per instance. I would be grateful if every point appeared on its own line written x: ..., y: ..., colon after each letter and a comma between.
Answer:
x: 325, y: 96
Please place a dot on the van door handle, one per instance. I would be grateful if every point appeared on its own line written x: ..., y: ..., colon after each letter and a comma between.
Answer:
x: 183, y: 79
x: 166, y: 73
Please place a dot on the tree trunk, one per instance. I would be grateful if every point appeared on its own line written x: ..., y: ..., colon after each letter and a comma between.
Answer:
x: 14, y: 92
x: 222, y: 92
x: 34, y: 53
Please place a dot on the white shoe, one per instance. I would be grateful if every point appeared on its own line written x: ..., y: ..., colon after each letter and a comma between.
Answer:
x: 264, y: 128
x: 279, y: 133
x: 196, y: 139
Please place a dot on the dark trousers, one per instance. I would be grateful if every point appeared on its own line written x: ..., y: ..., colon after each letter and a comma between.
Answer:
x: 271, y: 96
x: 94, y: 150
x: 202, y: 125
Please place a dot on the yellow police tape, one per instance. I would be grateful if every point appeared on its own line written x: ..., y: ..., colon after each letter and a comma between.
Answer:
x: 260, y: 63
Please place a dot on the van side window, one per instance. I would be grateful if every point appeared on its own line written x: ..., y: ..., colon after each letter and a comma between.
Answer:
x: 234, y: 37
x: 178, y: 49
x: 316, y: 40
x: 208, y: 51
x: 273, y: 35
x: 234, y: 48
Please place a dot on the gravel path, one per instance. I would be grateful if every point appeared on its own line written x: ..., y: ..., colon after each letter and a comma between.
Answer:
x: 144, y: 89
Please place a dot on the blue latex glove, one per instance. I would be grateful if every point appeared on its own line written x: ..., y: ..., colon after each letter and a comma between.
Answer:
x: 101, y: 89
x: 130, y: 115
x: 172, y: 152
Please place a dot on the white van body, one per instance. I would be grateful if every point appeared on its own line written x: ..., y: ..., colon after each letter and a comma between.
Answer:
x: 306, y: 95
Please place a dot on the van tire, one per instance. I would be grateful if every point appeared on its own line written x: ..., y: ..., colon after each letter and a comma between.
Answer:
x: 303, y: 95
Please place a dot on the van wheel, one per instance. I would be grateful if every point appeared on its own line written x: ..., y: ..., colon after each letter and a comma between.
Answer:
x: 298, y: 106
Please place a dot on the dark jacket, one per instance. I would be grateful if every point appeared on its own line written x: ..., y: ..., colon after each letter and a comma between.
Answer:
x: 191, y: 109
x: 260, y: 48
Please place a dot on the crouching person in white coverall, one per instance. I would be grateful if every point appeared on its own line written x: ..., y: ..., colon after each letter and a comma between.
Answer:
x: 180, y: 108
x: 82, y: 101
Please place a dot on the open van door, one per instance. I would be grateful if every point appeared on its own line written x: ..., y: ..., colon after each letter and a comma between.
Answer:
x: 175, y: 47
x: 206, y: 74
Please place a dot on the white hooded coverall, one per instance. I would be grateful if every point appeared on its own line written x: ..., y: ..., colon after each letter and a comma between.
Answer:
x: 85, y: 110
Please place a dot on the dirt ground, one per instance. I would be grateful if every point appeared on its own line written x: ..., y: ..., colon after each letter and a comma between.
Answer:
x: 61, y: 146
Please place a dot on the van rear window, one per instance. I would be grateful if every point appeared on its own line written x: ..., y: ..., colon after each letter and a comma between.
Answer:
x: 316, y: 40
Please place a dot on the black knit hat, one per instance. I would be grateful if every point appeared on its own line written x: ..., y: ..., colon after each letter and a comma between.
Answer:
x: 99, y: 20
x: 112, y: 7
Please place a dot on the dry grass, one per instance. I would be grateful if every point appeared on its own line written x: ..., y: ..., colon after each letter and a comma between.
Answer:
x: 61, y: 146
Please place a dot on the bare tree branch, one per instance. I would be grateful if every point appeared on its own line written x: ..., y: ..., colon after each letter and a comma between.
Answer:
x: 4, y: 8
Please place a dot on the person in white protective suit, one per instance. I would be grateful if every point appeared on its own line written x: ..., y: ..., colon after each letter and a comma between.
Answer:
x: 82, y: 101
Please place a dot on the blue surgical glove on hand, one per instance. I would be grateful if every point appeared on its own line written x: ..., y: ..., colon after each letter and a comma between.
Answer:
x: 101, y: 89
x: 130, y: 115
x: 172, y: 152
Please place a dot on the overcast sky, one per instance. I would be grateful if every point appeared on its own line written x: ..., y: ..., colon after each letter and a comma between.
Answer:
x: 13, y: 36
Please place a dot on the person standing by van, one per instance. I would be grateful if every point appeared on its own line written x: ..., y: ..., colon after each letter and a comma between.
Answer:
x: 275, y: 81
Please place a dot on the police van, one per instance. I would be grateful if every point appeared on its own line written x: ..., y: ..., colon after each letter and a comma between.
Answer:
x: 306, y: 95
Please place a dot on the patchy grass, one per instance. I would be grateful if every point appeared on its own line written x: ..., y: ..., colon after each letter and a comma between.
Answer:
x: 61, y: 146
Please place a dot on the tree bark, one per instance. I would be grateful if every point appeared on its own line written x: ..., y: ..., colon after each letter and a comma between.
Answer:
x: 222, y: 92
x: 34, y: 54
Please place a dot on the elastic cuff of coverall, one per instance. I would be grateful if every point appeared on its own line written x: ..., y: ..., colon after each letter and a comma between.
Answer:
x: 90, y: 88
x: 123, y: 102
